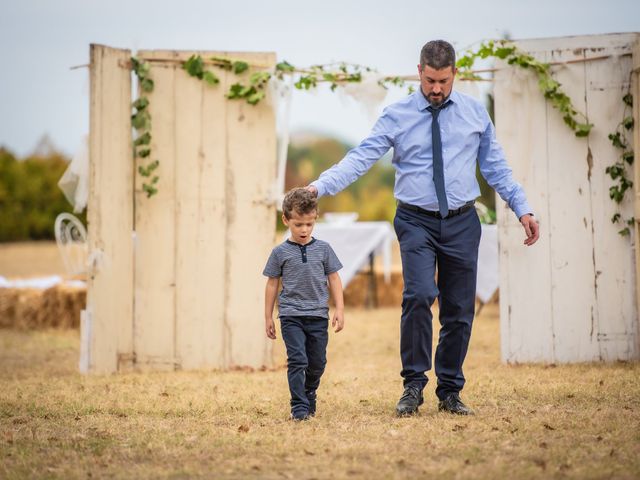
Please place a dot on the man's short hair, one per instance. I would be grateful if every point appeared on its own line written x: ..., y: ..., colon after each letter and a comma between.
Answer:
x: 299, y: 200
x: 438, y: 54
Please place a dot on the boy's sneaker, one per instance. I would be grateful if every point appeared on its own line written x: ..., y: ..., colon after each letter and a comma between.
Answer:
x: 312, y: 406
x: 300, y: 417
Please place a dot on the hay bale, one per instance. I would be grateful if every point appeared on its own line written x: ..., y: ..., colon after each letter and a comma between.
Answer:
x: 388, y: 294
x: 27, y: 309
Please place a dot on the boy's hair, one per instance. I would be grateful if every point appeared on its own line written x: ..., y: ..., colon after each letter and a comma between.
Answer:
x: 299, y: 200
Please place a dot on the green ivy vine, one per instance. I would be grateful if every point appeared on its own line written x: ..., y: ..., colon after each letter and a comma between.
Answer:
x: 549, y: 87
x: 253, y: 89
x: 618, y: 171
x: 141, y: 122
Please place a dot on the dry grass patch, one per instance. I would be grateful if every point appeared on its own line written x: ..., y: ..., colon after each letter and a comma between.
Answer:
x: 579, y: 421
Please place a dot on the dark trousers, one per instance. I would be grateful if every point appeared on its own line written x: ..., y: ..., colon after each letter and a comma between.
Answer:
x: 451, y: 244
x: 306, y: 341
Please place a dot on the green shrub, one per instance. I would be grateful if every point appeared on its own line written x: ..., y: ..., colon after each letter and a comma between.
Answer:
x: 30, y: 199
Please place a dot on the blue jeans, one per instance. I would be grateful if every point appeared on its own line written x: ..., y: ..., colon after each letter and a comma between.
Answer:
x: 451, y: 244
x: 306, y: 341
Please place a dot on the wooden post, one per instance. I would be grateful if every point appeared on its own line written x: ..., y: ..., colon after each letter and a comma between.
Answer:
x: 110, y: 212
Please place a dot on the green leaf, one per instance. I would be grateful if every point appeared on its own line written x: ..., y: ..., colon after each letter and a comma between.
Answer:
x: 259, y: 79
x: 149, y: 189
x: 616, y: 140
x: 194, y: 66
x: 254, y: 98
x: 614, y: 171
x: 504, y: 52
x: 234, y: 91
x: 223, y: 63
x: 144, y: 139
x: 141, y: 120
x: 583, y: 129
x: 628, y: 123
x: 210, y: 78
x: 147, y: 85
x: 306, y: 82
x: 144, y: 152
x: 239, y: 67
x: 615, y: 194
x: 615, y: 218
x: 628, y: 99
x: 628, y: 157
x: 285, y: 66
x: 141, y: 103
x: 625, y: 232
x: 465, y: 62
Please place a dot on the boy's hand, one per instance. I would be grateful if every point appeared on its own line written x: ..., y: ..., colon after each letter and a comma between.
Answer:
x: 270, y: 328
x: 338, y: 320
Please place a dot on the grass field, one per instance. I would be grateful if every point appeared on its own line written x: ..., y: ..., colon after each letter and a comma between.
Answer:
x: 580, y: 421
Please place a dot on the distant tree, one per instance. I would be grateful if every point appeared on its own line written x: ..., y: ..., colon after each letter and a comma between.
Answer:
x: 371, y: 196
x: 30, y: 198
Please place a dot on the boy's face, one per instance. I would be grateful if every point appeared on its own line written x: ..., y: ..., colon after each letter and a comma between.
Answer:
x: 301, y: 226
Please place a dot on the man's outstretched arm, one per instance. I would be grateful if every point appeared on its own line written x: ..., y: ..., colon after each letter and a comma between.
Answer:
x: 359, y: 159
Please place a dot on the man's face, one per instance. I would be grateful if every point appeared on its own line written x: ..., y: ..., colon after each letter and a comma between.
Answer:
x: 301, y: 226
x: 436, y: 84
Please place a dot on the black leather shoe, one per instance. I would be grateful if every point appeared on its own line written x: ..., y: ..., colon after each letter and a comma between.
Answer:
x: 453, y: 404
x: 409, y: 402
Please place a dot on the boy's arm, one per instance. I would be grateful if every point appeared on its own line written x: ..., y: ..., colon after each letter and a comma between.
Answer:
x: 335, y: 285
x: 270, y: 293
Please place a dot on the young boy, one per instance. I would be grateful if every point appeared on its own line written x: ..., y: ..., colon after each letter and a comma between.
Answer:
x: 305, y: 265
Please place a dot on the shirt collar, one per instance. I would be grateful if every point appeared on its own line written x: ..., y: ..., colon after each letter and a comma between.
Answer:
x: 422, y: 103
x: 291, y: 242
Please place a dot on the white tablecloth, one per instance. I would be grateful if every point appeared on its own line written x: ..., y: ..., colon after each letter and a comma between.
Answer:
x: 354, y: 242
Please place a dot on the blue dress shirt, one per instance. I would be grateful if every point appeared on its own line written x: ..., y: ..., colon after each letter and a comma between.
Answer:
x: 468, y: 135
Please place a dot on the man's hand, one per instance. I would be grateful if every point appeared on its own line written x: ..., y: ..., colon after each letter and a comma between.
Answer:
x: 531, y: 228
x: 312, y: 189
x: 338, y: 320
x: 270, y: 328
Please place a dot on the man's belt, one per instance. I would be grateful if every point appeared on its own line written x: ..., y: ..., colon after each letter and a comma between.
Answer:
x: 436, y: 214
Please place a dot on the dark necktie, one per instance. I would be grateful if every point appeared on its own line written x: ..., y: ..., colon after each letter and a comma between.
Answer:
x: 438, y: 168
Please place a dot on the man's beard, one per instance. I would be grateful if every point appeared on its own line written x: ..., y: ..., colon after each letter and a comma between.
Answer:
x: 437, y: 100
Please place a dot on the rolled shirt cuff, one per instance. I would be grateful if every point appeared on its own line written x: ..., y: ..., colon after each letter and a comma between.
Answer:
x: 319, y: 188
x: 522, y: 209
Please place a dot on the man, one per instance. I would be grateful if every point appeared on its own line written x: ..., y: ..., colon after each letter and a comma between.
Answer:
x: 437, y: 135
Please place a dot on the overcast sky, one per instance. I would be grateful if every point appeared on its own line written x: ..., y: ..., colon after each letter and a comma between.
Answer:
x: 41, y: 39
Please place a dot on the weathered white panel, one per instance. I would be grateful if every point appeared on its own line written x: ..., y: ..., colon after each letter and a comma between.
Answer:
x: 110, y: 211
x: 200, y: 215
x: 615, y: 325
x: 201, y: 284
x: 155, y: 270
x: 251, y: 171
x: 588, y: 278
x: 523, y: 269
x: 574, y: 311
